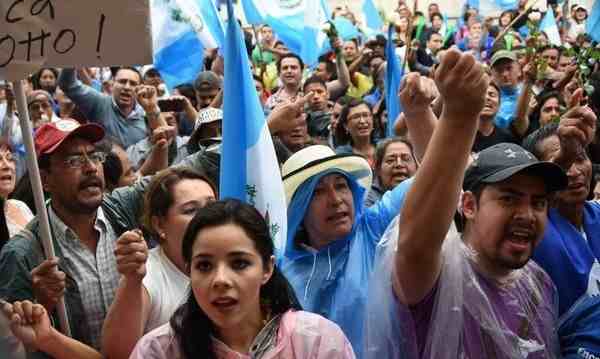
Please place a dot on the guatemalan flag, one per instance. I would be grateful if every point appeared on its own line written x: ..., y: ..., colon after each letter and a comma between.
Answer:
x: 181, y: 30
x: 393, y: 80
x: 295, y: 22
x: 493, y: 7
x: 592, y: 25
x: 374, y: 24
x: 548, y: 26
x: 249, y: 168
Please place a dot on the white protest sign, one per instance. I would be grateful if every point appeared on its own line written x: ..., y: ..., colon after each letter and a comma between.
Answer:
x: 70, y: 33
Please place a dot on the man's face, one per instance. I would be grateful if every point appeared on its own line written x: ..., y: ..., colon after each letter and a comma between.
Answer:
x: 335, y: 115
x: 319, y: 100
x: 551, y: 57
x: 297, y: 137
x: 321, y: 71
x: 492, y: 102
x: 433, y: 8
x: 291, y: 72
x: 267, y: 34
x: 350, y: 51
x: 397, y: 165
x: 124, y: 86
x: 476, y: 28
x: 75, y: 190
x: 579, y: 174
x: 435, y: 43
x: 507, y: 222
x: 152, y: 79
x: 38, y: 108
x: 330, y: 214
x: 549, y: 111
x: 205, y: 96
x: 506, y: 73
x: 564, y: 62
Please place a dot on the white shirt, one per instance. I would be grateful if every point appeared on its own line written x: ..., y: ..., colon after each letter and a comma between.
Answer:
x: 167, y: 287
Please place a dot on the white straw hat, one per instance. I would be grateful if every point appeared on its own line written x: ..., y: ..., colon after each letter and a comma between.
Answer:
x: 315, y: 159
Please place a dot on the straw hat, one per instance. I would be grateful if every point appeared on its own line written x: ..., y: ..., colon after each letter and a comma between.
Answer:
x: 316, y: 159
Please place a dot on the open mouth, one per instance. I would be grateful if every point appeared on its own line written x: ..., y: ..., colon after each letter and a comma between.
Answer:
x: 520, y: 239
x: 224, y: 303
x: 338, y: 218
x: 93, y: 185
x: 6, y: 177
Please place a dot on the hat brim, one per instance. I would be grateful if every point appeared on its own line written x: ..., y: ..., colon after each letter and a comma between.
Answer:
x: 89, y: 131
x: 356, y: 166
x: 553, y: 176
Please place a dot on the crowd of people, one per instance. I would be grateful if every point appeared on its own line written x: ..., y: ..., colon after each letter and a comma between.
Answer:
x: 472, y: 232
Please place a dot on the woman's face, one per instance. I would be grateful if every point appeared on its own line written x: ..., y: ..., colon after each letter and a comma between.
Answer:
x: 549, y: 111
x: 227, y: 273
x: 505, y: 19
x: 359, y: 122
x: 397, y: 165
x: 48, y: 80
x: 7, y: 172
x: 403, y: 24
x: 188, y: 196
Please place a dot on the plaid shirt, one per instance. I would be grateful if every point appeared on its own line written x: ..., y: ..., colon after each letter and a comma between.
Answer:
x: 96, y: 274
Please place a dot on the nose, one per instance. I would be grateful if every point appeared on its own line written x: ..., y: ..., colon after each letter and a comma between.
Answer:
x: 524, y: 212
x: 222, y: 278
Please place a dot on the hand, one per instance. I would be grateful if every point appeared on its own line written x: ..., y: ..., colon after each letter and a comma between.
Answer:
x: 337, y: 44
x: 132, y: 253
x: 162, y: 136
x: 48, y: 283
x: 147, y: 98
x: 416, y: 93
x: 462, y: 83
x: 287, y: 116
x: 29, y: 323
x: 530, y: 72
x: 577, y: 127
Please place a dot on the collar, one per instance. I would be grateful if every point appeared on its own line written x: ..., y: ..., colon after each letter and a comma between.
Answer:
x: 56, y: 224
x: 138, y: 111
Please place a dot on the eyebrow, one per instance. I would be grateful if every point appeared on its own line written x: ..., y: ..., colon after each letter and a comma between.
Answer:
x: 519, y: 193
x: 230, y: 255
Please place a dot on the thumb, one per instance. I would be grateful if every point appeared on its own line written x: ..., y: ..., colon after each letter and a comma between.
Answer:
x: 300, y: 103
x: 576, y: 98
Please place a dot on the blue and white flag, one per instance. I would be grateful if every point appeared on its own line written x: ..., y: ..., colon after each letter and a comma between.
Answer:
x: 548, y: 26
x: 181, y: 30
x: 249, y: 168
x: 393, y: 78
x: 374, y: 24
x: 295, y: 22
x: 592, y: 25
x: 493, y: 7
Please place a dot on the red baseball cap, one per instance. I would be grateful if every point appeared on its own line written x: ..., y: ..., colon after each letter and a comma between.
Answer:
x: 51, y: 135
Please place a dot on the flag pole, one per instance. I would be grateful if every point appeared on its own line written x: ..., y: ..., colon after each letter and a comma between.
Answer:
x: 509, y: 26
x: 38, y: 194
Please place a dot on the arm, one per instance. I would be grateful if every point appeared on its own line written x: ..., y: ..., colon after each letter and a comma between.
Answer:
x: 431, y: 202
x: 158, y: 159
x: 217, y: 102
x: 126, y: 319
x: 31, y: 325
x: 520, y: 125
x: 85, y: 97
x: 340, y: 86
x: 416, y: 96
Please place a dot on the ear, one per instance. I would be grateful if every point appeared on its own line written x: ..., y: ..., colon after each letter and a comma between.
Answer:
x: 469, y: 205
x: 45, y: 177
x: 269, y: 269
x: 158, y: 226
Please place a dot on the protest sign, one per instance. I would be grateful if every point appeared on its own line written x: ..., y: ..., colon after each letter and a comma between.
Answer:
x: 70, y: 33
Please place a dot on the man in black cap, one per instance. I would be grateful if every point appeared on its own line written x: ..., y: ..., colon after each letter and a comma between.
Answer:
x: 207, y: 85
x: 475, y: 294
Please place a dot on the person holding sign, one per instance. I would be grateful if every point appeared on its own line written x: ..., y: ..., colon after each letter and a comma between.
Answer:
x: 120, y: 114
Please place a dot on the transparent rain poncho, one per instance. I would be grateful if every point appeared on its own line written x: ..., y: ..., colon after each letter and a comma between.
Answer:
x: 470, y: 316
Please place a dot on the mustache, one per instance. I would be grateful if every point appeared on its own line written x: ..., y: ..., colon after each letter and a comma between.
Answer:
x: 91, y: 181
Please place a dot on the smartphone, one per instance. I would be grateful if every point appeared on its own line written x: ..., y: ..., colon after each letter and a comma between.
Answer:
x: 171, y: 105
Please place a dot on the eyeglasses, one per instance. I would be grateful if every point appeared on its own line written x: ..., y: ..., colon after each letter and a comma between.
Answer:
x: 78, y: 161
x: 39, y: 106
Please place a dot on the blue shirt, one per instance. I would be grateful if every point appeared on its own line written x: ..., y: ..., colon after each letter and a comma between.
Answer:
x: 333, y: 281
x: 568, y: 257
x: 508, y: 106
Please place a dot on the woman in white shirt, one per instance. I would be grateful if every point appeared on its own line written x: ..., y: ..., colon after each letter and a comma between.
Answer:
x: 147, y: 298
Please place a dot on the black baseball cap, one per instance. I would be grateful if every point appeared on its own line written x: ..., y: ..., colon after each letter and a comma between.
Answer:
x: 504, y: 160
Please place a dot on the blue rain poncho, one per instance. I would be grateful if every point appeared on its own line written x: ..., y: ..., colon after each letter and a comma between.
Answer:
x: 579, y: 331
x: 333, y: 281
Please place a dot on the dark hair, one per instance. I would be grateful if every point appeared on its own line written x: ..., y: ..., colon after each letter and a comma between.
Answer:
x: 541, y: 99
x: 435, y: 14
x: 289, y: 55
x: 329, y: 66
x: 531, y: 142
x: 430, y: 34
x: 314, y: 79
x: 35, y: 79
x: 342, y: 137
x: 382, y: 148
x: 192, y: 327
x: 159, y: 194
x: 4, y: 235
x: 189, y: 92
x: 116, y: 70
